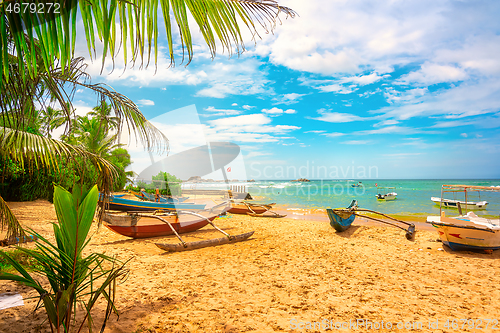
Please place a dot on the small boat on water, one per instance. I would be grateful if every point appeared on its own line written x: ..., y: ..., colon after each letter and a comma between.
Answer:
x: 121, y: 204
x: 466, y: 231
x: 454, y: 203
x: 387, y: 193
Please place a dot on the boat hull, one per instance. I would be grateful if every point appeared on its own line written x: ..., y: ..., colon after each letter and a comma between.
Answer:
x: 126, y: 205
x: 467, y: 236
x: 387, y: 197
x: 338, y: 222
x: 453, y: 203
x: 157, y: 230
x: 243, y: 209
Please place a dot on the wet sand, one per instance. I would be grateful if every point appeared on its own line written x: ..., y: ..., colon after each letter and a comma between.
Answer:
x: 290, y: 274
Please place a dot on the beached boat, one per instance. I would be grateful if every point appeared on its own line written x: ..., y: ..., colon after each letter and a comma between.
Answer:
x: 454, y: 203
x: 387, y: 193
x: 468, y: 231
x: 341, y: 219
x: 253, y: 209
x: 143, y: 226
x: 121, y: 204
x: 143, y: 195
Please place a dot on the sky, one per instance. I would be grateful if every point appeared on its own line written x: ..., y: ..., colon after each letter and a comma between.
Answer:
x: 346, y: 89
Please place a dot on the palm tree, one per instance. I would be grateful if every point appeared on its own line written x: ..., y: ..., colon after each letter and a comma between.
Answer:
x: 103, y: 114
x: 93, y: 137
x: 51, y: 119
x: 37, y: 57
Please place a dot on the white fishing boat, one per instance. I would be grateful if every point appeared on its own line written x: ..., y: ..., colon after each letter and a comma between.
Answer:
x: 467, y: 231
x: 386, y: 193
x: 454, y: 203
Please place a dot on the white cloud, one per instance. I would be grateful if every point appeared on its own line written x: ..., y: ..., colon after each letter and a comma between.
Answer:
x: 247, y: 107
x: 145, y: 102
x: 337, y: 117
x: 433, y: 73
x: 278, y: 111
x: 356, y: 142
x: 291, y: 98
x: 333, y: 135
x: 248, y: 128
x: 221, y: 112
x: 316, y: 131
x: 463, y: 135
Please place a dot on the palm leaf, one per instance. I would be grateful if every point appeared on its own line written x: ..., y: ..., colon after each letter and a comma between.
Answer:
x: 218, y: 20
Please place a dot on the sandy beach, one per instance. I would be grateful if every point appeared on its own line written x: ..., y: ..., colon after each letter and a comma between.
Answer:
x: 292, y: 275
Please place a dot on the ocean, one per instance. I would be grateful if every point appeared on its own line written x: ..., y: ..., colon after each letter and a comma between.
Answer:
x: 413, y: 196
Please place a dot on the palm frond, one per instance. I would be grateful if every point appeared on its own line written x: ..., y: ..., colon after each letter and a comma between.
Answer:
x: 20, y: 95
x: 218, y: 20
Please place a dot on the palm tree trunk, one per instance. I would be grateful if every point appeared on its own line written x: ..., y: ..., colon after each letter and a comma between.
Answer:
x: 9, y: 221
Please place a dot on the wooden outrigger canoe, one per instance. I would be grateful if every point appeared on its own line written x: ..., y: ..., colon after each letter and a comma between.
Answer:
x: 140, y: 225
x: 252, y: 209
x: 341, y: 219
x: 144, y: 226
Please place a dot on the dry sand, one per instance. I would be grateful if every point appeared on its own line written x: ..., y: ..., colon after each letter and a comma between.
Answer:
x: 290, y: 271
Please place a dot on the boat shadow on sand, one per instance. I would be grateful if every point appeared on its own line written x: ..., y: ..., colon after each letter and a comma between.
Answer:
x: 349, y: 232
x: 479, y: 254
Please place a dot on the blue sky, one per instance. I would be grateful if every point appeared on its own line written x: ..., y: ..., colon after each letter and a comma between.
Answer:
x: 389, y: 89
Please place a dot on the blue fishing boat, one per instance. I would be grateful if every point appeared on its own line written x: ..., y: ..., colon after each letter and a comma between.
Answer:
x: 341, y: 220
x: 121, y: 204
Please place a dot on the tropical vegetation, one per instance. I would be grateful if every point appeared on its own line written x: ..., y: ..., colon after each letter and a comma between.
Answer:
x: 167, y: 184
x: 75, y: 280
x: 38, y: 64
x: 39, y: 69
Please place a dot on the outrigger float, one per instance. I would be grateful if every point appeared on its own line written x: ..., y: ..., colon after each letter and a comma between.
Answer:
x: 341, y: 219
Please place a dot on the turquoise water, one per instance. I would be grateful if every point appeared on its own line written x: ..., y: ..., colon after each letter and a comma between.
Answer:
x: 413, y: 195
